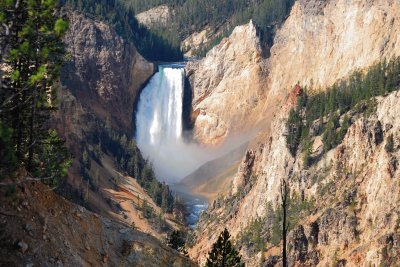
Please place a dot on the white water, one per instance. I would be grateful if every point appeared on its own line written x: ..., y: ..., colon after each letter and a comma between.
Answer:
x: 159, y: 126
x: 159, y: 132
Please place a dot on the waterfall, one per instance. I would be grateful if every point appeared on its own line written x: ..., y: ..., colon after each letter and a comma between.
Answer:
x: 159, y: 124
x: 159, y: 118
x: 159, y: 133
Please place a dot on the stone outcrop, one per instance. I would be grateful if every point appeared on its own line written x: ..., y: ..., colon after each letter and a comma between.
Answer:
x: 152, y: 17
x: 227, y: 85
x: 244, y: 172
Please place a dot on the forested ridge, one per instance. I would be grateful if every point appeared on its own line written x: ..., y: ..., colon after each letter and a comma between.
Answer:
x: 162, y: 42
x: 325, y: 113
x: 154, y: 45
x: 221, y: 16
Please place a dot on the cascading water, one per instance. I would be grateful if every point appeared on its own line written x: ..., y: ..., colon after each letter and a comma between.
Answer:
x: 159, y: 118
x: 159, y: 133
x: 159, y: 126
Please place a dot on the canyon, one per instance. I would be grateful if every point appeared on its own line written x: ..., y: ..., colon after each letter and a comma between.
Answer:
x: 349, y: 36
x: 216, y: 127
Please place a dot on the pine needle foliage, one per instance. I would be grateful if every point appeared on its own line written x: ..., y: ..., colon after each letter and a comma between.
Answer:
x: 223, y: 253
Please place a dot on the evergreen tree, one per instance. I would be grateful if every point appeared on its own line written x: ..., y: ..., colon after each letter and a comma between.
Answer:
x: 223, y: 253
x: 176, y: 240
x: 294, y: 126
x: 28, y: 95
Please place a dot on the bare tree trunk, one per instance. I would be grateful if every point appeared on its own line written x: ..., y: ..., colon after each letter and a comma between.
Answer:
x: 284, y: 204
x: 31, y: 127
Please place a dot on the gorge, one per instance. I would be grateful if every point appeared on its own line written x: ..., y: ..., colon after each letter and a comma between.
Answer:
x: 303, y: 93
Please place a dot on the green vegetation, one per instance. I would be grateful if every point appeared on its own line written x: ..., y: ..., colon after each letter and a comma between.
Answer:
x: 32, y: 53
x: 223, y: 253
x: 256, y: 235
x: 129, y: 160
x: 325, y: 113
x: 147, y: 210
x: 221, y: 16
x: 162, y: 42
x: 268, y: 229
x: 177, y: 241
x: 156, y: 45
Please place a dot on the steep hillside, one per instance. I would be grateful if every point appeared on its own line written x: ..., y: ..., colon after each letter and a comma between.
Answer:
x: 228, y: 91
x: 348, y: 35
x: 39, y: 228
x: 100, y: 84
x: 346, y: 202
x: 105, y: 71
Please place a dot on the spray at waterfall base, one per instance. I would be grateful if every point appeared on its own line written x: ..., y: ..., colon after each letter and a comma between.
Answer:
x: 159, y: 128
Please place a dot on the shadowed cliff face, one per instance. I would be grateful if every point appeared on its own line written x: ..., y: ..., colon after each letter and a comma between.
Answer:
x: 100, y: 82
x: 105, y: 72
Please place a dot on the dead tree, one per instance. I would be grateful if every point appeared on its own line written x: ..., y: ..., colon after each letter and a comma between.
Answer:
x: 284, y: 205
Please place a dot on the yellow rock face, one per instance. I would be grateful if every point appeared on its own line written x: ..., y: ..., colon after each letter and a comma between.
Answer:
x: 235, y: 88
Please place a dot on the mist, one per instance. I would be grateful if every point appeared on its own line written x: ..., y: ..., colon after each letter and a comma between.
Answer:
x: 159, y: 132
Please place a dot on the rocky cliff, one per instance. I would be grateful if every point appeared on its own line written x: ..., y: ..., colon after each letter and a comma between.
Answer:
x: 105, y: 72
x: 352, y: 189
x: 319, y: 43
x: 228, y: 86
x: 100, y: 83
x: 324, y: 41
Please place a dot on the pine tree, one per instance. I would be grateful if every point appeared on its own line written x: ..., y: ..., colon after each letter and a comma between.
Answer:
x: 33, y: 58
x: 176, y: 240
x: 223, y: 253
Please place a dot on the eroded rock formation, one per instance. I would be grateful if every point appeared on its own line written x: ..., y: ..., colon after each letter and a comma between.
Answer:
x: 319, y: 43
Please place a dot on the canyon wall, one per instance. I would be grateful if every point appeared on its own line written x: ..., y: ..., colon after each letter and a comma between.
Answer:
x: 105, y: 72
x: 353, y: 189
x: 100, y: 82
x: 227, y: 86
x: 319, y: 43
x: 353, y: 186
